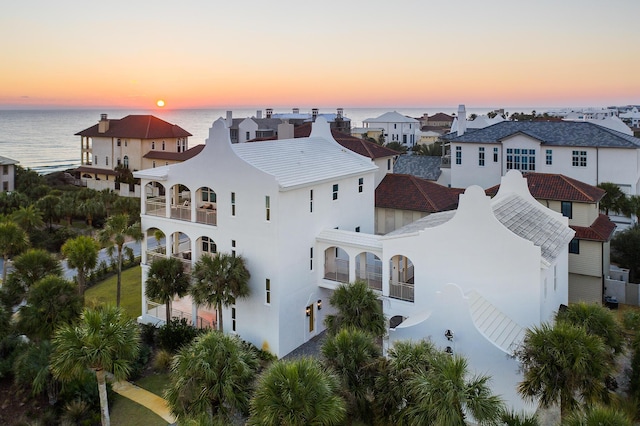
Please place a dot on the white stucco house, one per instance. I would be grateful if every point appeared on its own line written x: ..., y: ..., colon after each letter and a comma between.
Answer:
x: 396, y: 128
x: 8, y: 174
x: 301, y: 212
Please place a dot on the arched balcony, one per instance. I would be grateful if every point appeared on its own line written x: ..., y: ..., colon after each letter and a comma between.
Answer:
x: 155, y: 199
x: 180, y: 202
x: 369, y: 269
x: 207, y: 206
x: 156, y: 245
x: 205, y: 246
x: 336, y: 265
x: 181, y: 249
x: 401, y: 278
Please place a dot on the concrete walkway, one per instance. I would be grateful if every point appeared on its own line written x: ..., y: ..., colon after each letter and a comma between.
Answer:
x: 145, y: 398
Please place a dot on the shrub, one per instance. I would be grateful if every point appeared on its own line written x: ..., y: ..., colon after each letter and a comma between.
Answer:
x: 148, y: 334
x: 175, y: 334
x: 138, y: 366
x: 162, y: 360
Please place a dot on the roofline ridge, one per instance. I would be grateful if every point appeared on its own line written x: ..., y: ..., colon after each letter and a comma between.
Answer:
x: 414, y: 180
x: 573, y: 185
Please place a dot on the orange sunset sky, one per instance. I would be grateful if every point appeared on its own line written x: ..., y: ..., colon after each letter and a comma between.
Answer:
x: 352, y: 53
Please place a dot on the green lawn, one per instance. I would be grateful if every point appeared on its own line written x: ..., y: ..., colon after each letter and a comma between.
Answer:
x: 130, y: 296
x: 124, y: 411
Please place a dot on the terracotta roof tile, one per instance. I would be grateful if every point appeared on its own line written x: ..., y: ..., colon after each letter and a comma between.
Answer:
x: 138, y: 127
x: 600, y: 230
x: 548, y: 186
x: 407, y: 192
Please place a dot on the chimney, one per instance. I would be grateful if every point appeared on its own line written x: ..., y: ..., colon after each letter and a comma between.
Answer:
x: 462, y: 120
x: 229, y: 120
x: 340, y: 112
x: 103, y: 124
x: 296, y: 110
x: 269, y: 112
x: 314, y: 113
x: 259, y: 114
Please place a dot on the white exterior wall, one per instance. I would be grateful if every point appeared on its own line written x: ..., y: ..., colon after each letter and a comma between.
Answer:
x: 469, y: 172
x: 385, y: 165
x: 247, y: 125
x: 9, y: 177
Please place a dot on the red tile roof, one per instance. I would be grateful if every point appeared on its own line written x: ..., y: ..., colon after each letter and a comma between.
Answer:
x: 137, y: 127
x: 441, y: 116
x: 547, y: 186
x: 95, y: 170
x: 600, y: 230
x: 175, y: 156
x: 407, y: 192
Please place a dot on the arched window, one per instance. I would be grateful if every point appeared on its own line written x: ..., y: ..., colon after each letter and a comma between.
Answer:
x: 126, y: 161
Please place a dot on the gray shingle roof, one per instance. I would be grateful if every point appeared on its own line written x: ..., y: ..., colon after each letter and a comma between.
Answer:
x: 560, y: 133
x: 422, y: 166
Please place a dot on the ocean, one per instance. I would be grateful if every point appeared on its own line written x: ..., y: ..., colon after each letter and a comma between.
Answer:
x: 45, y: 141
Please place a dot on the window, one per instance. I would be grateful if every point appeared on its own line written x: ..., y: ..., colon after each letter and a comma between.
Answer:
x: 126, y: 161
x: 125, y: 142
x: 311, y: 200
x: 5, y: 186
x: 208, y: 195
x: 153, y: 164
x: 311, y: 259
x: 395, y: 126
x: 163, y: 145
x: 495, y: 155
x: 233, y: 246
x: 579, y: 159
x: 153, y: 144
x: 5, y: 169
x: 208, y: 246
x: 389, y: 164
x: 95, y: 160
x: 549, y: 159
x: 357, y: 229
x: 119, y: 142
x: 481, y: 156
x: 233, y: 204
x: 335, y: 191
x: 106, y: 161
x: 118, y: 162
x: 233, y: 319
x: 404, y: 139
x: 521, y: 159
x: 458, y: 155
x: 248, y: 136
x: 267, y: 207
x: 566, y: 208
x: 360, y: 184
x: 267, y: 291
x: 574, y: 246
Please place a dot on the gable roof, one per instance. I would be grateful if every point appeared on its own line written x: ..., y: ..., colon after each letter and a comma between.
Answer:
x: 600, y: 230
x: 552, y: 133
x: 557, y: 187
x: 391, y: 117
x: 137, y: 127
x: 406, y: 192
x: 422, y: 166
x: 440, y: 116
x: 5, y: 161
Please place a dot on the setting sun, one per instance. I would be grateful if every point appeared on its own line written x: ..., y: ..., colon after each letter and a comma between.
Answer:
x: 160, y: 103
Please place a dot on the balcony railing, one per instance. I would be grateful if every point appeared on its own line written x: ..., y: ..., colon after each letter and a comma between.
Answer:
x: 185, y: 258
x: 373, y: 276
x: 159, y: 311
x: 181, y: 212
x: 400, y: 290
x: 208, y: 216
x: 341, y: 272
x: 156, y: 206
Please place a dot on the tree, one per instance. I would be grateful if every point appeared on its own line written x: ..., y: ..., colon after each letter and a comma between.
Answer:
x: 218, y: 281
x: 210, y: 379
x: 67, y: 207
x: 597, y: 320
x: 48, y: 205
x: 82, y: 254
x: 114, y: 234
x: 297, y: 393
x: 357, y: 306
x: 625, y: 247
x: 105, y: 340
x: 614, y: 199
x: 353, y: 354
x: 108, y: 197
x: 443, y: 395
x: 167, y: 278
x: 563, y: 361
x: 396, y: 146
x: 433, y: 150
x: 598, y: 416
x: 13, y: 240
x: 31, y: 368
x: 91, y: 208
x: 28, y: 217
x: 52, y: 301
x: 28, y: 268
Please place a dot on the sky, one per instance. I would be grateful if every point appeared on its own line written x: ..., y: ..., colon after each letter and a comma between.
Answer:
x: 349, y: 53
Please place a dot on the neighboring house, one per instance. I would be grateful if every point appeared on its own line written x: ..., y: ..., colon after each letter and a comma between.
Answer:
x: 7, y: 174
x: 580, y: 150
x: 396, y: 127
x: 609, y: 122
x: 589, y: 251
x: 402, y: 199
x: 421, y: 166
x: 631, y: 117
x: 439, y: 120
x: 134, y: 142
x: 479, y: 122
x: 301, y: 212
x: 367, y: 132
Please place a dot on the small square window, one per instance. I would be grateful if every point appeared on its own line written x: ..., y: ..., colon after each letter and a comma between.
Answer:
x: 360, y: 184
x: 335, y: 191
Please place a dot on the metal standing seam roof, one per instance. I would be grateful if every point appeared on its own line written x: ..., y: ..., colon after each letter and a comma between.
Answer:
x: 554, y: 133
x: 301, y: 161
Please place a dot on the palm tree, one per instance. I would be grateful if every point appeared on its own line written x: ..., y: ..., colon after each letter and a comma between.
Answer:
x: 353, y: 354
x: 598, y: 416
x: 116, y: 231
x: 357, y: 306
x: 405, y: 360
x: 562, y: 361
x: 90, y: 209
x: 52, y: 301
x: 297, y: 393
x: 31, y: 368
x: 67, y: 207
x: 211, y: 379
x: 614, y: 199
x: 48, y: 206
x: 13, y: 240
x: 82, y: 254
x: 105, y: 340
x: 167, y: 278
x: 443, y: 395
x: 218, y: 281
x: 28, y: 268
x: 28, y: 217
x: 597, y: 320
x: 108, y: 197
